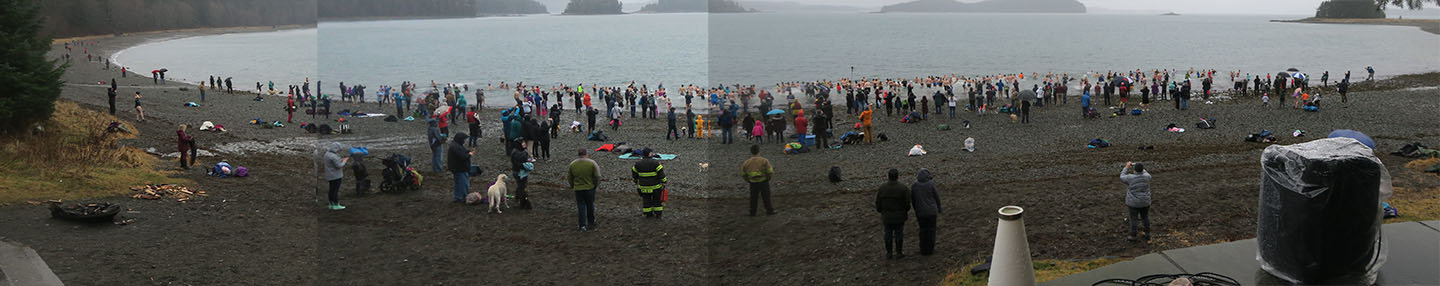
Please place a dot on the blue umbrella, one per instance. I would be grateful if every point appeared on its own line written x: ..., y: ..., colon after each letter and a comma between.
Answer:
x: 775, y: 111
x: 1347, y: 133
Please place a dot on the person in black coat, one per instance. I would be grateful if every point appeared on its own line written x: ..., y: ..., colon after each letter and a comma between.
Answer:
x: 820, y: 125
x: 457, y: 161
x: 590, y: 114
x: 518, y: 158
x: 926, y: 200
x: 892, y: 201
x: 533, y: 133
x: 545, y: 127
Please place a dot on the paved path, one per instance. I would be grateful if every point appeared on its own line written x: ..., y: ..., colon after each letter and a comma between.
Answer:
x: 1414, y: 257
x: 20, y: 265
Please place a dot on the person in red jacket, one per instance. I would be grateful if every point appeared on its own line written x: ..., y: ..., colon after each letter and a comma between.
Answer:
x: 290, y: 108
x: 800, y: 123
x: 186, y: 145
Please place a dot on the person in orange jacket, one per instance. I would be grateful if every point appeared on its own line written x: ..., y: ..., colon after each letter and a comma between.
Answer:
x: 865, y: 125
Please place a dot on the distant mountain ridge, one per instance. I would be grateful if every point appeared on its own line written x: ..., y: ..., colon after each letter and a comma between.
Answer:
x: 694, y: 6
x: 988, y: 6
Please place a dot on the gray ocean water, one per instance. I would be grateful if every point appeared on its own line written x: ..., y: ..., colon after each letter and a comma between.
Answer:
x: 765, y: 48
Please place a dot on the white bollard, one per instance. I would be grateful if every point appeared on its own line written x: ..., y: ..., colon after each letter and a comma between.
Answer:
x: 1011, y: 264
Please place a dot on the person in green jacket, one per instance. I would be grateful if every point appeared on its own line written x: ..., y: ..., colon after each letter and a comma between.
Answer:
x: 584, y: 177
x: 757, y: 172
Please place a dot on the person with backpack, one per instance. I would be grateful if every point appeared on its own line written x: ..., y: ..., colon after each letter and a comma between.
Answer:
x: 1343, y: 87
x: 1137, y: 197
x: 892, y: 201
x: 926, y: 201
x: 458, y: 162
x: 757, y: 172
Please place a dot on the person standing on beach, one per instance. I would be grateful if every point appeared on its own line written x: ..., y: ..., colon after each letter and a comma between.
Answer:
x: 230, y: 86
x: 926, y: 201
x: 1025, y: 111
x: 757, y: 172
x: 289, y: 108
x: 139, y: 111
x: 1137, y: 197
x: 1343, y: 87
x: 584, y: 177
x: 110, y: 93
x: 865, y: 120
x: 155, y: 76
x: 892, y: 201
x: 458, y: 161
x: 1369, y: 69
x: 650, y: 182
x: 185, y: 144
x: 334, y: 171
x: 522, y: 165
x: 436, y: 141
x: 590, y: 114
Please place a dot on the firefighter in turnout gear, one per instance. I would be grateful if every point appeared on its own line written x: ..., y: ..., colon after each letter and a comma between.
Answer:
x: 650, y: 182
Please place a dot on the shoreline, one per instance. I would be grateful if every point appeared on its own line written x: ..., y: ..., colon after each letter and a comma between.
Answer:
x: 1431, y: 26
x: 822, y: 231
x: 200, y: 31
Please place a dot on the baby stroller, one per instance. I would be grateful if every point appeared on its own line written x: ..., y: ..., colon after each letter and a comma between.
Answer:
x: 398, y: 177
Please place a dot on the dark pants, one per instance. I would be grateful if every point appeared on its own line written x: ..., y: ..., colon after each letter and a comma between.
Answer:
x: 651, y: 204
x: 727, y: 135
x: 184, y: 159
x: 474, y: 134
x: 669, y: 131
x: 520, y: 193
x: 585, y: 203
x: 334, y: 194
x: 927, y: 234
x: 895, y: 238
x: 545, y: 149
x: 1138, y: 215
x: 758, y: 191
x: 112, y: 105
x: 1025, y: 112
x: 822, y: 139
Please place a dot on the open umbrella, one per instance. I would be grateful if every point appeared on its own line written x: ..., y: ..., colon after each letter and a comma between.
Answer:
x: 1027, y: 95
x: 1298, y: 75
x: 164, y: 70
x: 1293, y: 70
x: 775, y: 111
x: 1282, y: 75
x: 1347, y: 133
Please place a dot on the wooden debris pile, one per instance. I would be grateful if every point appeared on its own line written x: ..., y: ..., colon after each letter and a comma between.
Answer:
x: 164, y: 191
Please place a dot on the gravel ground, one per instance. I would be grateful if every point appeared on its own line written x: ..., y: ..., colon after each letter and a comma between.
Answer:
x: 262, y: 230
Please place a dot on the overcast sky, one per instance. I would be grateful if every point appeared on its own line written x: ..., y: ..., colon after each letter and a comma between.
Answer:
x: 1272, y: 7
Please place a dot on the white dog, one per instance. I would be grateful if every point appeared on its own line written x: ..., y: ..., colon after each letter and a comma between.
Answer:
x: 497, y: 194
x: 704, y: 166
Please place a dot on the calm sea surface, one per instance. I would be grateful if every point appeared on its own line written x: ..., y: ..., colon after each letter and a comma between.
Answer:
x: 765, y: 48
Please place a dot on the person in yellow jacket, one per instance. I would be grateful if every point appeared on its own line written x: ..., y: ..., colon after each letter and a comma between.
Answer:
x: 757, y: 172
x: 650, y: 182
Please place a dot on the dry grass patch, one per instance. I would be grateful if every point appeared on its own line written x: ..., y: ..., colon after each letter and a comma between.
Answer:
x: 73, y: 158
x: 1045, y: 270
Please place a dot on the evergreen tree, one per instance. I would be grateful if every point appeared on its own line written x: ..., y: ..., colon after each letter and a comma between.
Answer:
x: 30, y: 82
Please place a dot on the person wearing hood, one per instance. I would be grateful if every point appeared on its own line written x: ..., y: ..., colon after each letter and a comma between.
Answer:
x: 436, y: 141
x: 1137, y: 197
x: 334, y: 171
x: 926, y: 200
x: 892, y: 201
x: 801, y: 124
x: 459, y: 166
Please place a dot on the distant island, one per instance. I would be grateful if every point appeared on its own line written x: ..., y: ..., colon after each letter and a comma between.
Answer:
x: 404, y: 9
x: 786, y: 6
x: 988, y: 6
x: 1170, y: 14
x: 1350, y: 9
x: 593, y: 7
x: 694, y: 6
x: 509, y: 7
